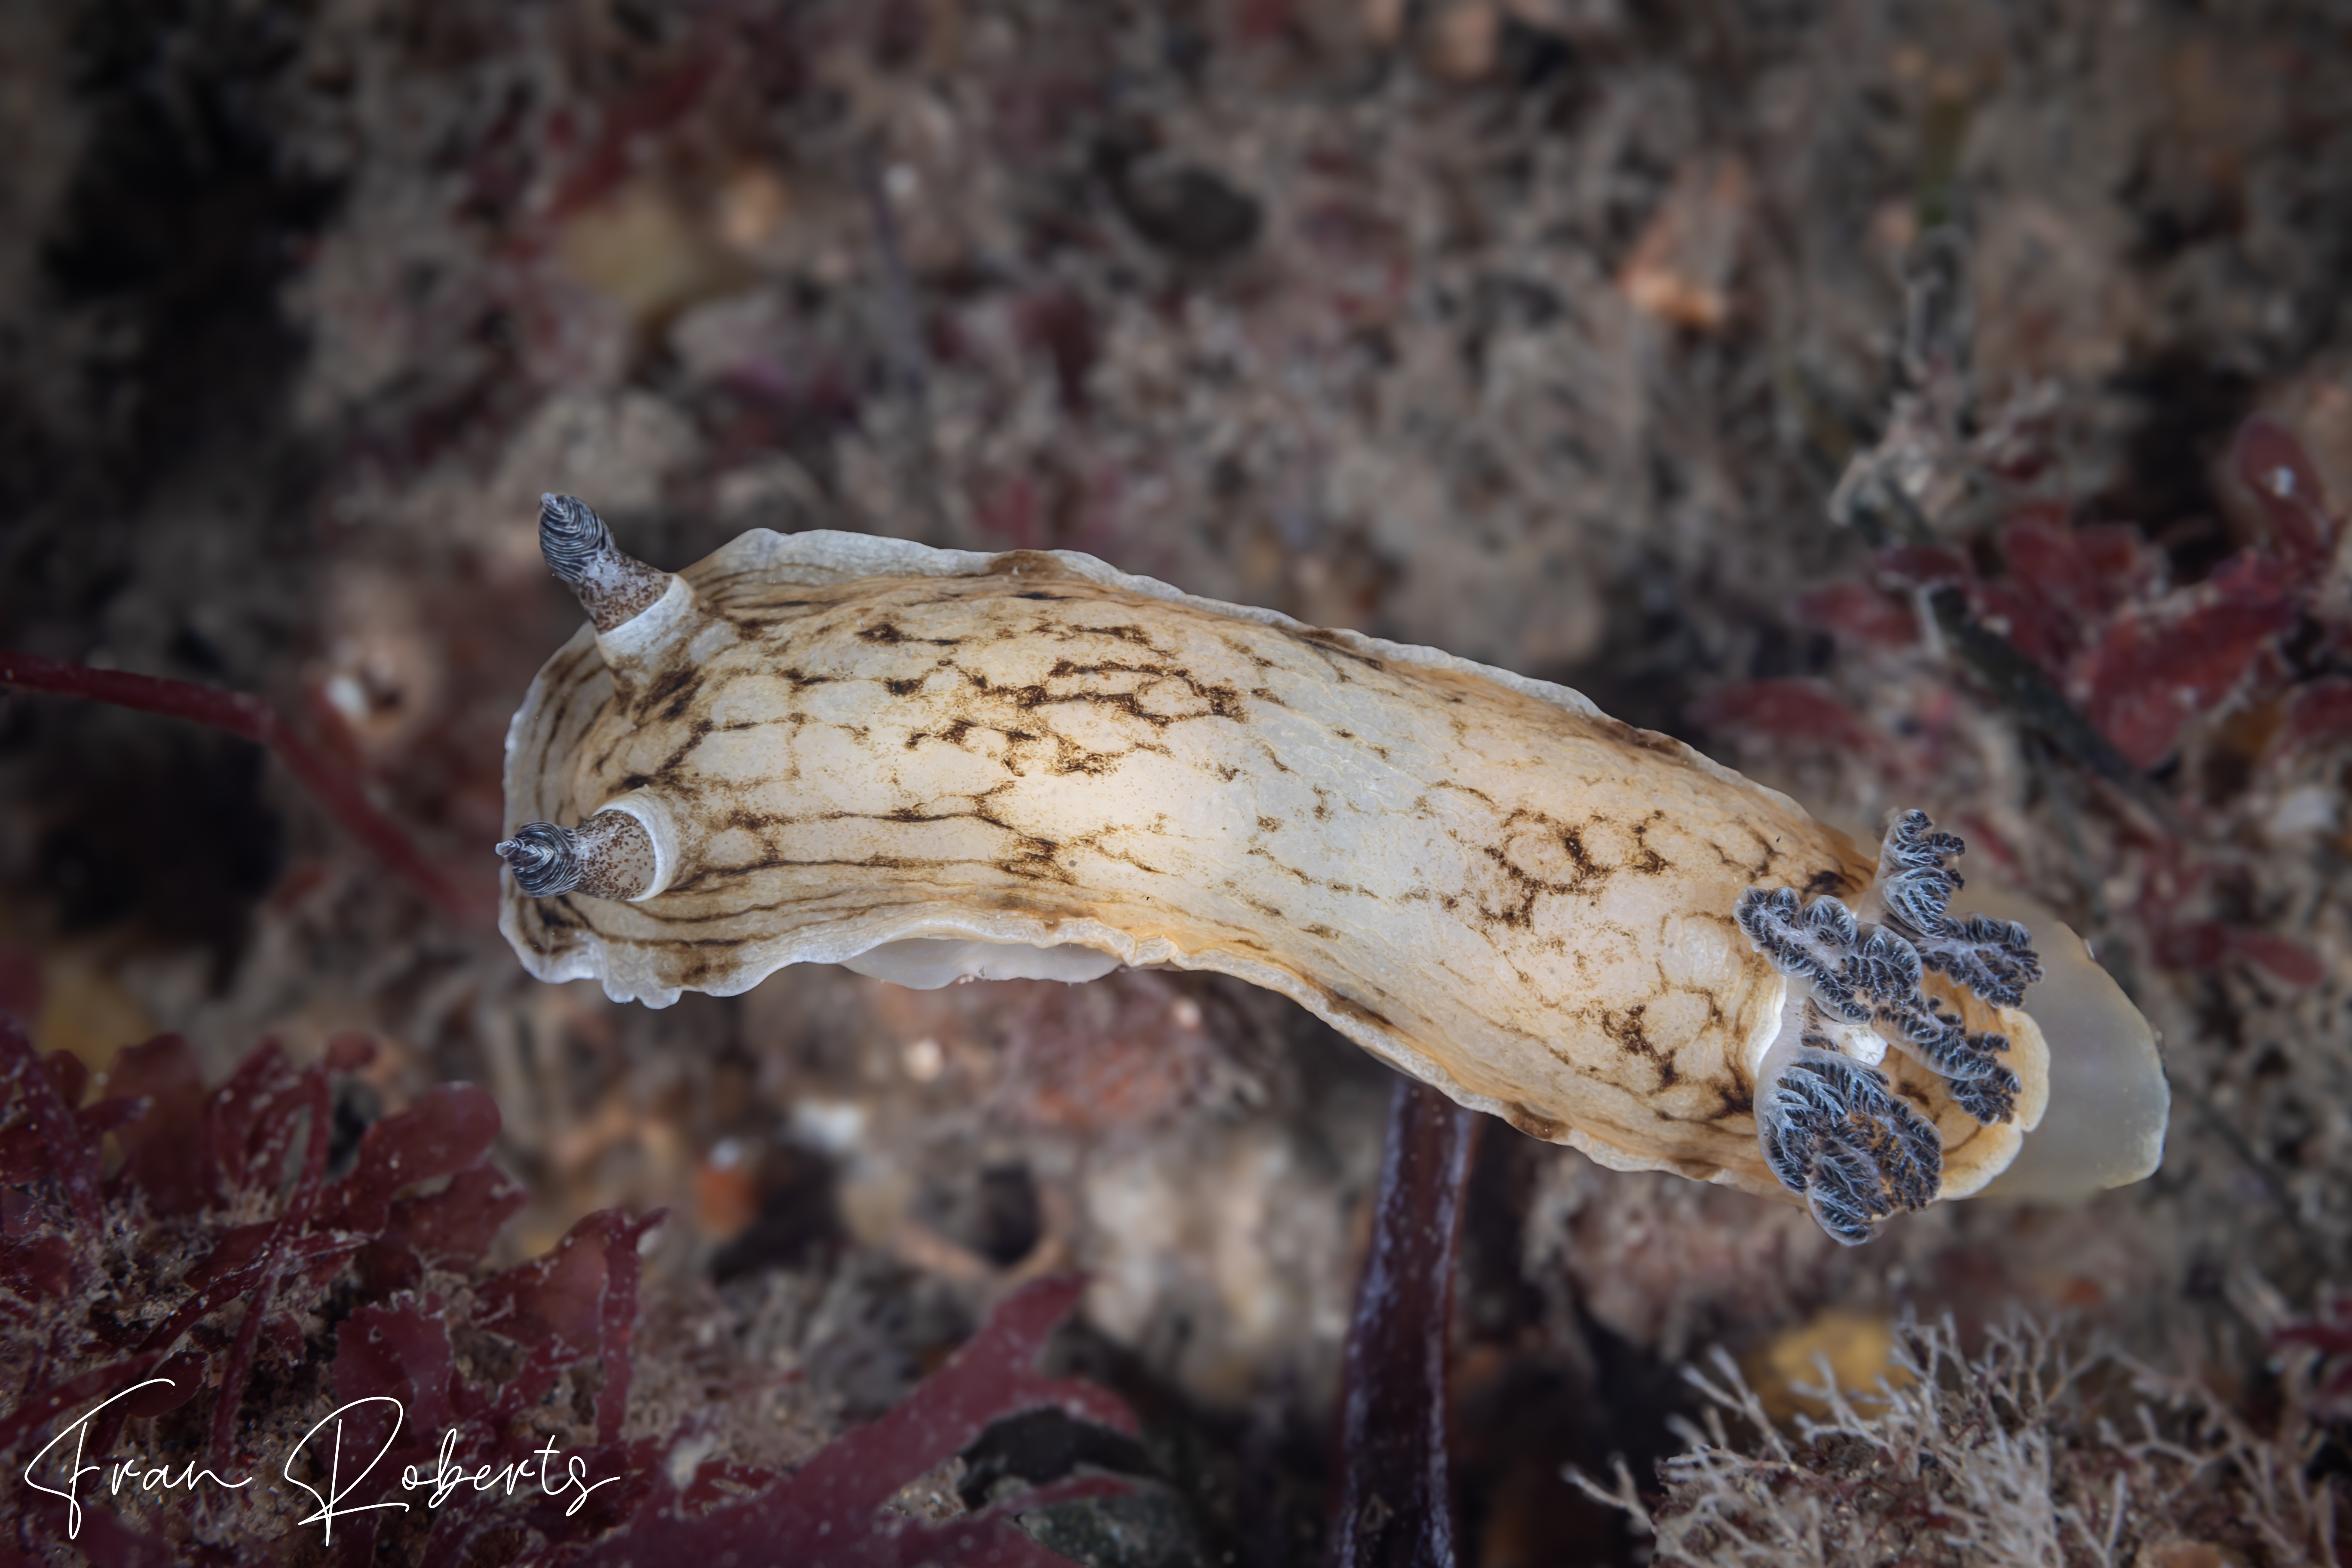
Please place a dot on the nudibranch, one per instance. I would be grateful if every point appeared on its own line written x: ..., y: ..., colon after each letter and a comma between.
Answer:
x: 936, y: 765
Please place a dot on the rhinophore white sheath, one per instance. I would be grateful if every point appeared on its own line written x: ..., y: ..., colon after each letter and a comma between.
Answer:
x: 935, y: 765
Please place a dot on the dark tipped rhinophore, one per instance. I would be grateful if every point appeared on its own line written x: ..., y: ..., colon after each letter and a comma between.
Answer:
x: 572, y: 536
x: 613, y: 587
x: 610, y: 856
x: 543, y: 858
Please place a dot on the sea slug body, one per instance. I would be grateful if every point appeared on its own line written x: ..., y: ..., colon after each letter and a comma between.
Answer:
x: 935, y: 765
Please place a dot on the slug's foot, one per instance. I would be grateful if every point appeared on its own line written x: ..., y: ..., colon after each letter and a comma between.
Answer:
x: 613, y: 588
x: 1834, y: 1133
x: 610, y: 856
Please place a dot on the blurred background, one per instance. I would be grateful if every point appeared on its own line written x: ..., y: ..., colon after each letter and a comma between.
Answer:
x: 1681, y: 352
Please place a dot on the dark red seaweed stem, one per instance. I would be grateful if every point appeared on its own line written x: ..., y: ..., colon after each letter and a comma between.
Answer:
x: 1393, y: 1507
x: 251, y: 718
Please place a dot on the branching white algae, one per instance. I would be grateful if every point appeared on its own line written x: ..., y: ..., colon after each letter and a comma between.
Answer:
x: 934, y: 765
